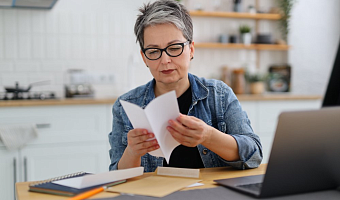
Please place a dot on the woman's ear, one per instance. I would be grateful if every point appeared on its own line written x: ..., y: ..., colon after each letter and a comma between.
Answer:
x: 144, y: 60
x: 192, y: 50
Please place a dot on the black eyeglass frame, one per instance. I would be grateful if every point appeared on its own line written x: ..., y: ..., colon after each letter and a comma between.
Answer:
x: 165, y: 49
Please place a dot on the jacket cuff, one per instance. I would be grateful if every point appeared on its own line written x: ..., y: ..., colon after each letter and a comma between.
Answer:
x: 250, y: 156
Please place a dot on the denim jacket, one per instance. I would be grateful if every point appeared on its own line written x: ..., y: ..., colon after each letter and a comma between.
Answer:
x: 213, y: 102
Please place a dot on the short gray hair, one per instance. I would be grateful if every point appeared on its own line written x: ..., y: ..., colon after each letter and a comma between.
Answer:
x: 163, y: 12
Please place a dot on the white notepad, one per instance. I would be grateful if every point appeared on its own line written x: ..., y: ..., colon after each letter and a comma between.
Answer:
x: 101, y: 178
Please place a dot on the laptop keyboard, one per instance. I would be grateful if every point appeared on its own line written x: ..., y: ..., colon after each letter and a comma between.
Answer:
x: 253, y: 186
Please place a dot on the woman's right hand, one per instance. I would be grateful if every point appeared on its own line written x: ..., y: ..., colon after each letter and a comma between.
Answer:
x: 139, y: 142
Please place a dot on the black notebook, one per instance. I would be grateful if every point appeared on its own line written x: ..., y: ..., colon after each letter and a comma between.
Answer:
x: 48, y: 187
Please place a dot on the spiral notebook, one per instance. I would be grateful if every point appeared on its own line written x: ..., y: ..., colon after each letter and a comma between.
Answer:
x: 48, y: 187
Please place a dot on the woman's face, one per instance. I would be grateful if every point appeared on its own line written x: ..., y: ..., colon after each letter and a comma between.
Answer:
x: 167, y: 70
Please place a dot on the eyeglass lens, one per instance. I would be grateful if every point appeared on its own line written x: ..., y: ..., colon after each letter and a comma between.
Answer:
x: 172, y: 50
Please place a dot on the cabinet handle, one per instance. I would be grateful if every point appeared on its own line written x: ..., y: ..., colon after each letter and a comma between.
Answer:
x: 14, y: 174
x: 43, y: 125
x: 25, y: 169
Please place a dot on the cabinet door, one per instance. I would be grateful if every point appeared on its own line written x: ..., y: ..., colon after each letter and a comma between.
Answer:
x: 9, y: 163
x: 42, y: 162
x: 60, y: 124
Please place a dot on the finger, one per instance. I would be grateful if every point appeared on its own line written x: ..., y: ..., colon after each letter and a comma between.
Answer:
x: 183, y: 139
x: 146, y: 144
x: 153, y: 148
x: 188, y: 121
x: 138, y: 138
x: 138, y: 132
x: 180, y: 128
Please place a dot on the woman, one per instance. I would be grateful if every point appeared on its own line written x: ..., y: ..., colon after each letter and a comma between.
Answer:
x: 213, y: 130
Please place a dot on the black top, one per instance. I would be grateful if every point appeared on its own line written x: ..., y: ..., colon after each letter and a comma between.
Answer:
x: 182, y: 156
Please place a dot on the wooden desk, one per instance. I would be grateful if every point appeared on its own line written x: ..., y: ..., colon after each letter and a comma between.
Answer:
x: 207, y: 175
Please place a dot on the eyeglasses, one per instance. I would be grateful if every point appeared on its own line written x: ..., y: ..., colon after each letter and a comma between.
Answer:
x: 172, y: 50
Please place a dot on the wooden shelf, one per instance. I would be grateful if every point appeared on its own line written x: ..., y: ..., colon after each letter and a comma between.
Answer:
x: 272, y: 47
x: 267, y: 16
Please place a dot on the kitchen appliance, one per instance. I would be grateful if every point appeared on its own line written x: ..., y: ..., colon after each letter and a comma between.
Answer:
x: 78, y: 84
x: 20, y: 93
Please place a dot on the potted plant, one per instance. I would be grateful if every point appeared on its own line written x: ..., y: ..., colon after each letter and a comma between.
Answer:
x: 285, y: 7
x: 245, y: 34
x: 256, y: 82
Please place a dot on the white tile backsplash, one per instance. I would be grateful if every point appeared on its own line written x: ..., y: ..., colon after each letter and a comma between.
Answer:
x: 51, y: 22
x: 38, y: 47
x: 9, y: 79
x: 2, y: 46
x: 11, y: 46
x: 1, y: 22
x: 51, y: 46
x: 6, y: 66
x: 97, y: 36
x: 38, y: 21
x: 27, y: 66
x: 10, y: 21
x: 25, y: 46
x: 24, y: 21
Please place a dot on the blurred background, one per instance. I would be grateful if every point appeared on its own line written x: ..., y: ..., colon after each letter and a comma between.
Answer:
x: 97, y: 37
x: 63, y: 63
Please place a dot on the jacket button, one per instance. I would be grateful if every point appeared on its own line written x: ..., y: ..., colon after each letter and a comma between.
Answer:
x: 205, y: 151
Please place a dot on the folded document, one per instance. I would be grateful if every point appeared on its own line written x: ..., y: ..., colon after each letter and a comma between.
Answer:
x: 166, y: 181
x: 155, y: 119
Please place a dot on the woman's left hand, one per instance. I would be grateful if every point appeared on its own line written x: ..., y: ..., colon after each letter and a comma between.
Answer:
x: 189, y: 131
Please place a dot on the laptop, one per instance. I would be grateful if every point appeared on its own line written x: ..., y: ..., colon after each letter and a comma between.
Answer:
x: 305, y: 156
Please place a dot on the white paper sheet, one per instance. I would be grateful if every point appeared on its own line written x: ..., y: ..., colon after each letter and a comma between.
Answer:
x: 195, y: 185
x: 155, y: 119
x: 102, y: 178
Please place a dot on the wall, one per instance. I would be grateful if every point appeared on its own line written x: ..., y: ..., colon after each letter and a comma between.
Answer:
x: 314, y: 35
x: 97, y: 36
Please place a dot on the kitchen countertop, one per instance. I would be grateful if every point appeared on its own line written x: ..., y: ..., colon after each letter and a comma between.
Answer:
x: 55, y: 102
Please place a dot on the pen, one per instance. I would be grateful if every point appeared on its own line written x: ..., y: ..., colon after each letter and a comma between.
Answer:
x: 94, y: 191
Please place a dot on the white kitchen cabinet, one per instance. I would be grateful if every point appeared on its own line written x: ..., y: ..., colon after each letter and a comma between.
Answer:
x: 70, y: 139
x: 8, y: 173
x: 59, y: 124
x: 264, y: 117
x: 48, y: 161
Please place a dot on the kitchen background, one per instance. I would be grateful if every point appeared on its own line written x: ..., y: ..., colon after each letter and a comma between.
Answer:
x: 97, y: 36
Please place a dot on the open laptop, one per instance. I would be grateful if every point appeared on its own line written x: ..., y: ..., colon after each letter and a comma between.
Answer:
x: 305, y: 156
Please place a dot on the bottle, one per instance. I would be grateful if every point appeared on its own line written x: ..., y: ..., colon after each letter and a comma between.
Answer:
x: 225, y: 76
x: 239, y: 81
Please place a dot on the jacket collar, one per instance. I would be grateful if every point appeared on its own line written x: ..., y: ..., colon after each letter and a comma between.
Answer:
x: 199, y: 91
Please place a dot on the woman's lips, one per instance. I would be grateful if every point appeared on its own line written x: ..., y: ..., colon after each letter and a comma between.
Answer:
x: 167, y: 71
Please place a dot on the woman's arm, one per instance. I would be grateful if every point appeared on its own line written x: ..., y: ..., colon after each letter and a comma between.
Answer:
x: 138, y: 145
x: 191, y: 131
x: 127, y: 154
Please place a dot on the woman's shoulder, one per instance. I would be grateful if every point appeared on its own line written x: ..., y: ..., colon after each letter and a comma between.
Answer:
x: 212, y: 83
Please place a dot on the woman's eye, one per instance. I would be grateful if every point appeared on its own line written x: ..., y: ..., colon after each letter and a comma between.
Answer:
x: 174, y: 48
x: 153, y: 51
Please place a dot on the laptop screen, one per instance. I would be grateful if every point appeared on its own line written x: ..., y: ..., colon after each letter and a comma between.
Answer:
x: 332, y: 96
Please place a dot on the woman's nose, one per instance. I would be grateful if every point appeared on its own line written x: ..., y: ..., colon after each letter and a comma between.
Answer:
x: 165, y: 58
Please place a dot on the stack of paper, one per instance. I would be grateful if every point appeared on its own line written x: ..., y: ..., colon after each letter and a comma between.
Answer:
x: 166, y: 181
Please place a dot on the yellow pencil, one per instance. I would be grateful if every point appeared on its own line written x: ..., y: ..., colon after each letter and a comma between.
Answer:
x: 94, y: 191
